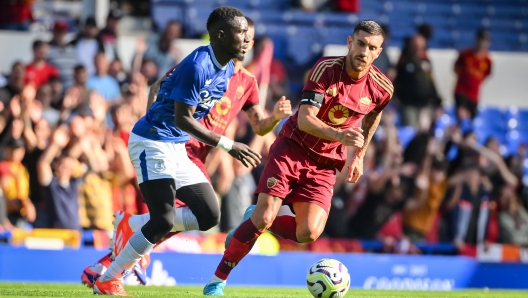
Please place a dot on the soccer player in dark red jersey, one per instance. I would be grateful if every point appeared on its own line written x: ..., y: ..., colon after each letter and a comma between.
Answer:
x: 242, y: 94
x: 340, y: 93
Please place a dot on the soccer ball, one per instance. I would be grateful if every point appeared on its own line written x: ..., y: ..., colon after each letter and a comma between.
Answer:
x: 328, y: 278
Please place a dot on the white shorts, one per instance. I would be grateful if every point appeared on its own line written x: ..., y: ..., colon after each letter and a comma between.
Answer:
x: 158, y: 160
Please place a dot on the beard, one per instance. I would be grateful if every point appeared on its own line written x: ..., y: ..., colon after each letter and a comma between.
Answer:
x: 356, y: 66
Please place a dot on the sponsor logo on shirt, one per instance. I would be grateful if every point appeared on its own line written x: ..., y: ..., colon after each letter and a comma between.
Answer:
x: 338, y: 114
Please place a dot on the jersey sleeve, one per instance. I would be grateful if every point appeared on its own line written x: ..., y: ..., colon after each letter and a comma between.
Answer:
x: 316, y: 85
x: 384, y: 102
x: 251, y: 95
x: 187, y: 83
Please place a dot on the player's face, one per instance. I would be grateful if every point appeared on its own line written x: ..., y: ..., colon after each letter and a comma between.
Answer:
x: 236, y: 39
x: 251, y: 37
x: 363, y: 49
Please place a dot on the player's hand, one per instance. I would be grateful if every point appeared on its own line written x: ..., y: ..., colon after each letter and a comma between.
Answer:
x: 282, y: 109
x: 352, y: 137
x: 355, y: 170
x: 246, y: 156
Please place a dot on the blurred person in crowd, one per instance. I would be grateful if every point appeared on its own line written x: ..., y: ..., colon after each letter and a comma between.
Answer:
x: 116, y: 71
x: 242, y: 94
x: 14, y: 181
x: 15, y: 83
x: 121, y: 175
x: 87, y: 45
x: 102, y: 83
x: 472, y: 199
x: 162, y: 49
x: 383, y: 62
x: 149, y: 70
x: 472, y: 67
x: 513, y: 218
x: 43, y: 98
x: 60, y: 186
x: 426, y: 31
x: 108, y: 35
x: 38, y: 72
x: 5, y: 225
x: 57, y: 92
x: 414, y: 84
x: 16, y: 15
x: 62, y: 55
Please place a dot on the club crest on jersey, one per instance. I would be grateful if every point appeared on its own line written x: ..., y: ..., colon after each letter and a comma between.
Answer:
x: 159, y: 165
x: 332, y: 91
x: 338, y: 114
x: 223, y: 106
x: 271, y: 182
x: 364, y: 103
x: 239, y: 92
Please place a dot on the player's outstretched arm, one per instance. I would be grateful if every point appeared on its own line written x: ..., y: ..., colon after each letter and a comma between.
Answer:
x: 370, y: 124
x: 183, y: 114
x: 263, y: 125
x: 153, y: 92
x: 309, y: 123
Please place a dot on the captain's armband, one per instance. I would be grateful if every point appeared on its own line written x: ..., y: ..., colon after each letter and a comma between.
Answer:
x: 312, y: 98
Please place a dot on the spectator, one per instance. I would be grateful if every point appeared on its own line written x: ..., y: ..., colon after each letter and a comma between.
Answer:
x: 38, y: 72
x: 426, y: 31
x: 87, y: 45
x: 414, y: 84
x: 473, y: 211
x: 117, y: 72
x: 108, y: 35
x: 513, y: 219
x: 162, y: 49
x: 15, y: 83
x: 61, y: 54
x: 383, y: 62
x: 14, y: 181
x: 57, y: 92
x: 60, y: 187
x: 149, y: 70
x: 48, y: 113
x: 5, y: 225
x: 472, y: 67
x: 16, y: 15
x: 102, y: 83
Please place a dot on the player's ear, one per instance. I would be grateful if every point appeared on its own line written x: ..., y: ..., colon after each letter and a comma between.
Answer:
x: 350, y: 39
x: 220, y: 34
x: 250, y: 46
x: 379, y: 52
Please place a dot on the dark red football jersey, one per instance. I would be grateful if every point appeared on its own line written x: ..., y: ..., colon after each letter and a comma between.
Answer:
x: 242, y: 93
x: 346, y: 102
x: 473, y: 70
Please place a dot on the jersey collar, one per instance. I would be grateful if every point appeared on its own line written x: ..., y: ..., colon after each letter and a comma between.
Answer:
x: 213, y: 57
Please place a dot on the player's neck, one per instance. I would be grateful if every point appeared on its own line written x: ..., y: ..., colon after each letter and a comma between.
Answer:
x: 221, y: 56
x: 355, y: 75
x: 238, y: 65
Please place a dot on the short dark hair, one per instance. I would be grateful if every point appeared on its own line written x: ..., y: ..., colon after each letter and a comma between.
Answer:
x: 38, y: 43
x: 370, y: 27
x: 425, y: 30
x: 223, y: 14
x: 250, y: 22
x: 79, y: 67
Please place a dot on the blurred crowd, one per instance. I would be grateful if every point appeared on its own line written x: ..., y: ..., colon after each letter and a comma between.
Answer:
x: 65, y: 119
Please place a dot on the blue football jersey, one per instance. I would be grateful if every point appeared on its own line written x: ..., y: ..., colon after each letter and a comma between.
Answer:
x: 200, y: 81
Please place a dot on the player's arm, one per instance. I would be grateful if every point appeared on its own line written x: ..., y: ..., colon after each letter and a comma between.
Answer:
x: 153, y: 92
x: 183, y: 114
x: 310, y: 123
x: 262, y: 124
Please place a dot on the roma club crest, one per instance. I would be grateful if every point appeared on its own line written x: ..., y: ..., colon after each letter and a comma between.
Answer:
x: 271, y: 182
x: 364, y: 103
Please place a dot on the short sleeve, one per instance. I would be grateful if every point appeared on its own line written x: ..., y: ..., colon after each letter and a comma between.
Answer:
x: 383, y: 102
x: 53, y: 71
x: 317, y: 80
x: 186, y: 84
x: 251, y: 94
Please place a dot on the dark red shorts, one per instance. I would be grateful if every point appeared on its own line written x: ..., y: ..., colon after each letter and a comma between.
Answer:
x: 292, y: 175
x: 198, y: 162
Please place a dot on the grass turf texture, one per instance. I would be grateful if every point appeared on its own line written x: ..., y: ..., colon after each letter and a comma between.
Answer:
x: 69, y: 290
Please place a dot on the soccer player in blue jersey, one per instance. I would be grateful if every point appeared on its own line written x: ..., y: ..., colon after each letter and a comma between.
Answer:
x: 157, y: 145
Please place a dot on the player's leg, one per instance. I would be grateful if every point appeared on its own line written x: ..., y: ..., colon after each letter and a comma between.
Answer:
x: 155, y: 164
x: 310, y: 221
x: 243, y: 240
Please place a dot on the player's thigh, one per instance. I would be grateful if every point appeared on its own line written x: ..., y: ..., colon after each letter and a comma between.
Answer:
x: 152, y: 159
x: 187, y: 172
x: 310, y: 219
x: 265, y: 211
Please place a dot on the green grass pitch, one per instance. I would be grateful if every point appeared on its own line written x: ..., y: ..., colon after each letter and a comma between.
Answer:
x: 69, y: 290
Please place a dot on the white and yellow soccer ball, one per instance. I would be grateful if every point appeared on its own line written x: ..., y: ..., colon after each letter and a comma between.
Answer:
x: 328, y: 278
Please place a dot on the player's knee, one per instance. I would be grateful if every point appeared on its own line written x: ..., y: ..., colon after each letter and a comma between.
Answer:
x: 209, y: 219
x: 165, y: 222
x: 307, y: 235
